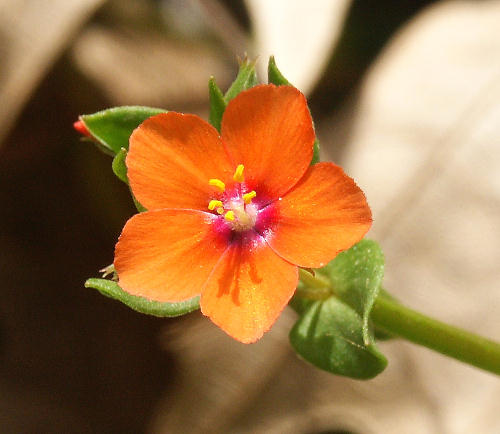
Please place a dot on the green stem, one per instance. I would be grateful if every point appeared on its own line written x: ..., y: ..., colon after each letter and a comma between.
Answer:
x: 446, y: 339
x: 406, y: 323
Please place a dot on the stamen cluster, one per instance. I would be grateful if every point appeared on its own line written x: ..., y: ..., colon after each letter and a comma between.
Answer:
x: 237, y: 208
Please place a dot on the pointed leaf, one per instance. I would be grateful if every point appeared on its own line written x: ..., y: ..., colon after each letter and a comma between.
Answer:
x: 111, y: 289
x: 330, y: 336
x: 120, y: 170
x: 119, y: 167
x: 275, y: 76
x: 217, y: 103
x: 113, y: 127
x: 246, y: 78
x: 138, y: 206
x: 356, y: 277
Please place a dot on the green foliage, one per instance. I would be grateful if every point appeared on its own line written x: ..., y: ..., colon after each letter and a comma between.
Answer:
x: 120, y: 170
x: 315, y: 157
x: 329, y: 335
x: 111, y: 289
x: 118, y: 165
x: 356, y: 277
x: 275, y: 76
x: 246, y: 78
x: 112, y: 128
x: 335, y: 333
x: 217, y: 103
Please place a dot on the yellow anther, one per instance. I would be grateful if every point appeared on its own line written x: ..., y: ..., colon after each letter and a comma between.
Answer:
x: 247, y: 197
x: 214, y: 204
x: 229, y: 216
x: 220, y: 210
x: 238, y: 174
x: 217, y: 183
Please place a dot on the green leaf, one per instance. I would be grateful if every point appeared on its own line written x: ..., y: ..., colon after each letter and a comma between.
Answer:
x: 112, y: 127
x: 138, y: 206
x: 118, y: 165
x: 120, y: 170
x: 315, y: 157
x: 217, y: 103
x: 246, y: 78
x: 330, y: 336
x: 111, y: 289
x: 356, y: 277
x: 275, y: 76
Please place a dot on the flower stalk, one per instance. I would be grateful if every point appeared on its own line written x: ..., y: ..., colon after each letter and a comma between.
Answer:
x: 401, y: 321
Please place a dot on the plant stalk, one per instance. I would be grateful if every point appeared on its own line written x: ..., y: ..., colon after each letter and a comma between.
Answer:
x: 393, y: 317
x: 436, y: 335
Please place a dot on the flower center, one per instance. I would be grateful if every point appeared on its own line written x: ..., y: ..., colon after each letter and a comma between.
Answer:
x: 237, y: 208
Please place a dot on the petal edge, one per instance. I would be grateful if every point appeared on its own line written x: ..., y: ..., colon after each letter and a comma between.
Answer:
x: 269, y: 130
x: 249, y: 288
x: 324, y: 214
x: 167, y: 255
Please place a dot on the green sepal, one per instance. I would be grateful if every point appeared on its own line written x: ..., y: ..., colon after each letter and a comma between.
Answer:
x: 112, y: 128
x: 111, y: 289
x: 316, y: 156
x: 118, y: 165
x: 246, y: 78
x: 139, y: 207
x: 356, y: 277
x: 275, y: 76
x: 217, y: 104
x: 330, y: 336
x: 120, y: 170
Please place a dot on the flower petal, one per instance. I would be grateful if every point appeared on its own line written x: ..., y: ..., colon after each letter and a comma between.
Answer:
x: 248, y: 289
x: 167, y: 255
x: 324, y: 214
x: 269, y: 130
x: 171, y: 158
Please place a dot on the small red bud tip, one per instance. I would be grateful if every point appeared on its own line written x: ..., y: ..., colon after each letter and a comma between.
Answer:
x: 81, y: 128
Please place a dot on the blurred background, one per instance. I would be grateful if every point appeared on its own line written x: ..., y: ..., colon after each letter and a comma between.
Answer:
x: 405, y: 95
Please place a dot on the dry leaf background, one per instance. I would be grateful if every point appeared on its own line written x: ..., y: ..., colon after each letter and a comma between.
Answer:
x: 420, y: 134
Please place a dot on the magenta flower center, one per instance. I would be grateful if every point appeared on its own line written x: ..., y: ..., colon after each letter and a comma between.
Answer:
x: 239, y: 209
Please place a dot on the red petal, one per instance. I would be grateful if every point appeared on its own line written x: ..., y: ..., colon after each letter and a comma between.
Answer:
x: 81, y: 128
x: 324, y: 214
x: 172, y: 157
x: 248, y: 289
x: 167, y: 255
x: 269, y: 130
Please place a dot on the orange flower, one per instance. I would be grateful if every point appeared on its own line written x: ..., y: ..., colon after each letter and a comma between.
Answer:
x: 232, y: 217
